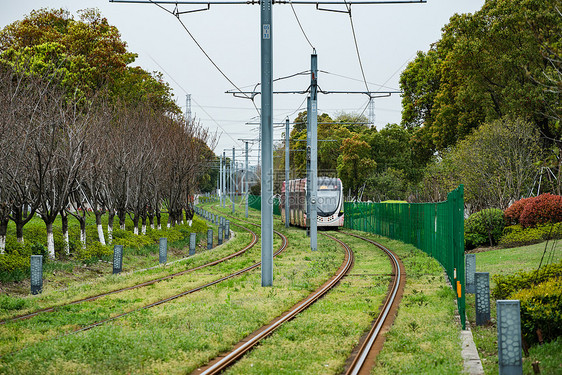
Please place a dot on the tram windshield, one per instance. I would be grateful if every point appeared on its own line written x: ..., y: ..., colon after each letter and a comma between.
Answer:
x: 328, y: 196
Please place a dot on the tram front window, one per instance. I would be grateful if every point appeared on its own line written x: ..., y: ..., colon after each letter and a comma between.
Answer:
x: 327, y: 202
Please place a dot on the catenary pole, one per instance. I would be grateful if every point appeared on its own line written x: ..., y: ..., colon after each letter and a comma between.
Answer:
x: 233, y: 184
x: 267, y: 142
x: 246, y: 180
x: 287, y: 218
x: 313, y: 151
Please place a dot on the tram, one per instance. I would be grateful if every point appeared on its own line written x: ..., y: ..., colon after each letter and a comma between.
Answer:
x: 329, y: 202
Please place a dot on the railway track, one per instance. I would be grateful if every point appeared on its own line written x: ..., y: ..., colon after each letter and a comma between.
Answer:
x: 224, y: 361
x: 363, y: 357
x: 252, y: 242
x: 165, y: 300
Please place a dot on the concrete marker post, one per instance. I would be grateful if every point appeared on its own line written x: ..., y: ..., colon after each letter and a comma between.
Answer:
x: 192, y: 243
x: 36, y: 269
x: 209, y: 239
x: 163, y: 250
x: 117, y: 259
x: 510, y: 360
x: 482, y: 298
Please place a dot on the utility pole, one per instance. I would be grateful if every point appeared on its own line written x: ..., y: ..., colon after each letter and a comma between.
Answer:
x: 220, y: 179
x: 266, y: 18
x: 313, y: 187
x: 308, y: 174
x: 233, y: 184
x: 246, y: 180
x: 224, y: 179
x: 287, y: 217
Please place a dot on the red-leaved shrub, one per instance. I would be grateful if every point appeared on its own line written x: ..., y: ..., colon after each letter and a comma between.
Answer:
x: 513, y: 213
x: 546, y: 208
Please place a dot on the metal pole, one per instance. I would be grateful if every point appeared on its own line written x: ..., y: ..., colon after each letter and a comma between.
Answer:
x: 220, y: 179
x: 287, y: 173
x: 266, y: 127
x: 223, y: 179
x: 234, y: 185
x: 308, y: 150
x: 313, y: 152
x: 246, y: 180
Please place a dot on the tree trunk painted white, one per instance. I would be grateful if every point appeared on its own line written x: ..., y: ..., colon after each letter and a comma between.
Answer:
x: 167, y: 225
x: 2, y: 244
x: 122, y: 226
x: 159, y: 227
x: 136, y: 230
x: 182, y: 222
x: 83, y: 238
x: 110, y: 235
x: 66, y: 243
x: 143, y: 231
x: 152, y: 225
x: 189, y: 222
x: 101, y: 237
x: 21, y: 240
x: 51, y: 243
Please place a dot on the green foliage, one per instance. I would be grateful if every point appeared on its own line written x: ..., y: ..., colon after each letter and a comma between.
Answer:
x: 506, y: 285
x: 516, y: 235
x: 541, y: 308
x: 486, y: 65
x: 484, y: 227
x: 93, y: 252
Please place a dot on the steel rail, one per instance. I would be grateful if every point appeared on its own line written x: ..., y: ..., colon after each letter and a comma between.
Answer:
x: 252, y: 242
x: 245, y: 346
x: 157, y: 303
x: 359, y: 364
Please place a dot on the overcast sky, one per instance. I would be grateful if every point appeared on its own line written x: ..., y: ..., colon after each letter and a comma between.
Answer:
x: 388, y: 37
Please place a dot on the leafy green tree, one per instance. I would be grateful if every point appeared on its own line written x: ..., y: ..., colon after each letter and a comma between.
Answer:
x: 481, y: 70
x: 498, y: 162
x: 355, y: 164
x: 85, y: 56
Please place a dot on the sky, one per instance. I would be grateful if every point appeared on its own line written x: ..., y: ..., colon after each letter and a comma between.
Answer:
x: 388, y: 37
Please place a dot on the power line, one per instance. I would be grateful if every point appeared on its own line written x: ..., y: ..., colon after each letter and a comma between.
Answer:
x: 300, y: 25
x: 180, y: 86
x: 177, y: 15
x: 356, y: 45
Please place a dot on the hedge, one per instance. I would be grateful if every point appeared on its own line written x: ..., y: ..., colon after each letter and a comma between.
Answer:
x: 509, y: 284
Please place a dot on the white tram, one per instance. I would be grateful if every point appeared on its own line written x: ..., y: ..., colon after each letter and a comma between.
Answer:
x: 329, y: 202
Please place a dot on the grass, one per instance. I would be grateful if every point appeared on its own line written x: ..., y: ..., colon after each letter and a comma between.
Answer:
x: 505, y: 262
x: 181, y: 335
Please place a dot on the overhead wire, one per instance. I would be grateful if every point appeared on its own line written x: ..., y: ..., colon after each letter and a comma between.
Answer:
x: 348, y: 6
x: 185, y: 91
x: 300, y: 25
x: 206, y: 54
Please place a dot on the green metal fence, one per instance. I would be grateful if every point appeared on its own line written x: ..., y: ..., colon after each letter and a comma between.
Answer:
x: 254, y: 201
x: 435, y: 228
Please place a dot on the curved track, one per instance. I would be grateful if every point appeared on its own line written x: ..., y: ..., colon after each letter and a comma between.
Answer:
x: 252, y: 242
x: 226, y: 360
x: 363, y: 357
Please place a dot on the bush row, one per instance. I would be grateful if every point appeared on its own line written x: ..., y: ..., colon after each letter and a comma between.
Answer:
x: 529, y: 220
x: 14, y: 264
x: 540, y: 294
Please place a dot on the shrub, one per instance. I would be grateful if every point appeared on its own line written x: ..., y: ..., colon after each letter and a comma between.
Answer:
x: 541, y: 308
x: 509, y: 284
x: 546, y: 208
x: 93, y: 251
x: 484, y: 227
x: 516, y: 235
x: 513, y: 213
